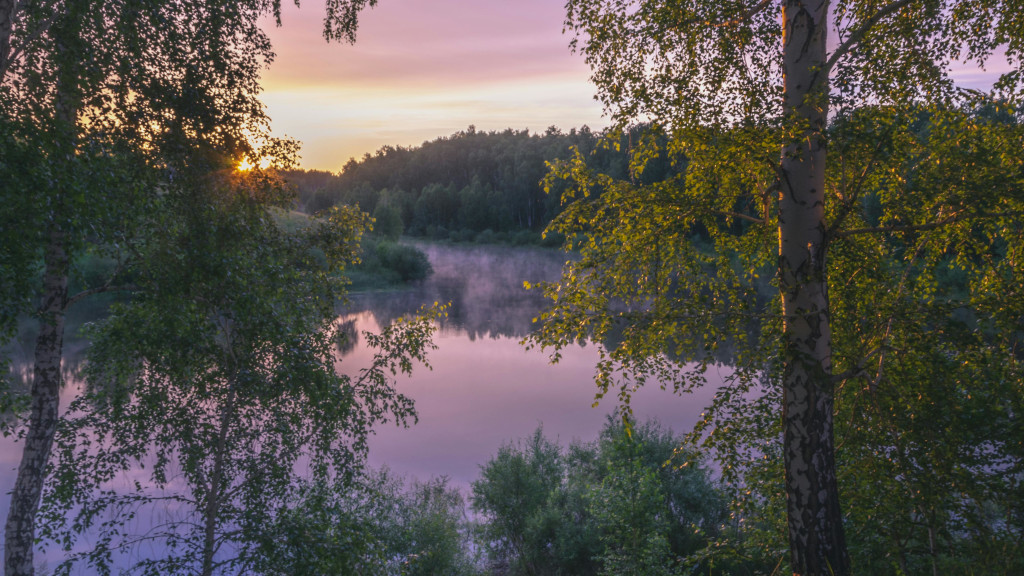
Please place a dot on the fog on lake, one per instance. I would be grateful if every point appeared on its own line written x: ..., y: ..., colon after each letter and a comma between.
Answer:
x: 484, y: 388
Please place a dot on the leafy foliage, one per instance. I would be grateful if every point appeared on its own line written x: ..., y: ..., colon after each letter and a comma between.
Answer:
x: 216, y: 385
x: 396, y: 263
x: 464, y: 185
x: 629, y: 503
x: 103, y: 106
x: 375, y: 525
x: 881, y: 199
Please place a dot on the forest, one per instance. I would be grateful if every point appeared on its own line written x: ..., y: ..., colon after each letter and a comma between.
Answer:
x: 808, y: 204
x: 470, y: 186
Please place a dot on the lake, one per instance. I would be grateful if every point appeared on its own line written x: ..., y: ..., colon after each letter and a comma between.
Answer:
x: 485, y: 388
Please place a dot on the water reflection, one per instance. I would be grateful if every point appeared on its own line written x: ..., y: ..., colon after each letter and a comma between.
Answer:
x: 484, y: 285
x: 485, y: 388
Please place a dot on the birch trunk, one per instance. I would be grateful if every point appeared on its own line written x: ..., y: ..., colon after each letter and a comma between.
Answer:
x: 817, y: 542
x: 217, y: 484
x: 19, y: 531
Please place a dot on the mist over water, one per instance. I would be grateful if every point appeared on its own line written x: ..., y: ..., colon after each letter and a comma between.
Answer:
x: 484, y: 388
x: 482, y: 284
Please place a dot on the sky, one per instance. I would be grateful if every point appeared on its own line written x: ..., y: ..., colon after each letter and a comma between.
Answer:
x: 421, y: 69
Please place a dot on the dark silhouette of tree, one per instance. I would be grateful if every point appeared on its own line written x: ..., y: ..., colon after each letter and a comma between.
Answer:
x: 461, y: 185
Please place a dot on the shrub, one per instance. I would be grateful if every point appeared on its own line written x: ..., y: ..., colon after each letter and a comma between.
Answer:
x: 406, y: 261
x: 375, y: 525
x: 614, y: 506
x: 486, y: 237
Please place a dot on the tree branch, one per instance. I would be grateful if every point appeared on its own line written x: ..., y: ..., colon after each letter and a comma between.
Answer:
x: 745, y: 16
x: 99, y: 290
x: 753, y: 219
x: 850, y: 201
x: 857, y: 35
x: 756, y: 8
x: 9, y: 55
x: 923, y: 227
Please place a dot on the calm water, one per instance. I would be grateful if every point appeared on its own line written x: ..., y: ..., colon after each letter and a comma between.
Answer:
x: 485, y: 388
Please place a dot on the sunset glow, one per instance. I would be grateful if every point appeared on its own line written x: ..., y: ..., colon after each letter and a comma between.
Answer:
x: 245, y: 165
x: 419, y: 71
x: 422, y: 70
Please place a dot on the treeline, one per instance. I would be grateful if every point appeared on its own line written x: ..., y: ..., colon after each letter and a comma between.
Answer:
x: 472, y: 185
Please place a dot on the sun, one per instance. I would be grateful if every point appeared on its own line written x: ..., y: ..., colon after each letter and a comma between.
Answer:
x: 246, y: 165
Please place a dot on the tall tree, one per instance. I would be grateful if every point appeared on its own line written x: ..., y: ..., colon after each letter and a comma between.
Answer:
x: 217, y: 387
x: 751, y: 103
x: 112, y: 100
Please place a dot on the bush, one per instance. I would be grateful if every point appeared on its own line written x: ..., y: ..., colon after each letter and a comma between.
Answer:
x: 524, y: 237
x: 462, y: 235
x: 384, y: 263
x: 440, y: 233
x: 614, y: 506
x: 429, y: 532
x: 376, y: 525
x: 406, y: 261
x: 486, y: 237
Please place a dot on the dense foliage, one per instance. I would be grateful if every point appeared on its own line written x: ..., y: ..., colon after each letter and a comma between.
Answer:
x: 482, y: 186
x: 633, y: 502
x: 216, y: 385
x: 104, y: 105
x: 375, y: 525
x: 874, y: 414
x: 390, y: 262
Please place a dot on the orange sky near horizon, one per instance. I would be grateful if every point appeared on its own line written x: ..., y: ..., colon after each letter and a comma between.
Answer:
x: 423, y: 69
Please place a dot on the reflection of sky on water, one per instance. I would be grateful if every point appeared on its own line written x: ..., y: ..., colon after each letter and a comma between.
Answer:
x: 483, y: 284
x: 485, y: 388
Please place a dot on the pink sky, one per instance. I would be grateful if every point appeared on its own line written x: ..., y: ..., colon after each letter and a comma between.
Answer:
x: 421, y: 69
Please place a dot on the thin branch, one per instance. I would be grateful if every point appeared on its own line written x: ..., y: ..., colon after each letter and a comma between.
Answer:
x: 884, y: 345
x: 857, y: 35
x: 851, y: 201
x: 744, y: 17
x: 756, y: 8
x: 924, y: 227
x: 99, y: 290
x: 859, y: 369
x: 746, y: 217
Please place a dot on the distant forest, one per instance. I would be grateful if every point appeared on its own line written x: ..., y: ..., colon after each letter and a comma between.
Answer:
x: 470, y: 186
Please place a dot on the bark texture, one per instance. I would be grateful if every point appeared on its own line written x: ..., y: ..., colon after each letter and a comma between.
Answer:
x: 217, y: 485
x: 817, y: 542
x: 19, y: 531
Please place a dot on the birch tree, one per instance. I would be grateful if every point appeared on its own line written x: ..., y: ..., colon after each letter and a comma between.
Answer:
x: 797, y: 132
x: 216, y: 389
x: 110, y: 100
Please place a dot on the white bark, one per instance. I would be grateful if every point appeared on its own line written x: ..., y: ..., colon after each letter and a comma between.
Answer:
x: 19, y: 539
x: 817, y: 542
